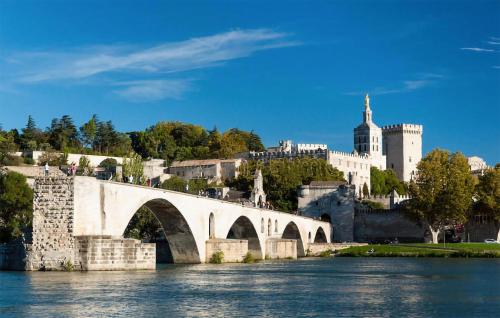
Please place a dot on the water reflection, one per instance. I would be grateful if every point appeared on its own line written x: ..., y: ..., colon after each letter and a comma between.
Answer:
x: 308, y: 287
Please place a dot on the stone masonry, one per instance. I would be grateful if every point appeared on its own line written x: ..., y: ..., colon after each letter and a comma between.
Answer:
x: 53, y: 241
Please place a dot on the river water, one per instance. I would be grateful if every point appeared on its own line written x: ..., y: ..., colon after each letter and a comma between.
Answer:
x: 335, y: 287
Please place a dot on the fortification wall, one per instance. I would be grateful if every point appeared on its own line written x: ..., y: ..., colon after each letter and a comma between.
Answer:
x: 386, y: 225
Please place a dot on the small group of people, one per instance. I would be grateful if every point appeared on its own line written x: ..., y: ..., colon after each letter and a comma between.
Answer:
x: 265, y: 205
x: 72, y: 169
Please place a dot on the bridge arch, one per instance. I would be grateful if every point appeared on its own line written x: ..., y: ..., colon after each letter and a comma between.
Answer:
x: 243, y: 229
x: 177, y: 231
x: 320, y: 236
x: 291, y: 231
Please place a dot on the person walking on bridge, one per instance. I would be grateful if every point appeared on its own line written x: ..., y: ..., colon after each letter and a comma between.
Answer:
x: 46, y: 169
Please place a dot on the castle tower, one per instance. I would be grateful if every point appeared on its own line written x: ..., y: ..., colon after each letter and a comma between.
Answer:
x: 403, y: 149
x: 368, y: 138
x: 258, y: 196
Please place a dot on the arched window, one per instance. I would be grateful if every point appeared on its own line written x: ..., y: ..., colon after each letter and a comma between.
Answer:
x: 276, y: 226
x: 211, y: 226
x: 262, y: 225
x: 269, y: 227
x: 309, y: 237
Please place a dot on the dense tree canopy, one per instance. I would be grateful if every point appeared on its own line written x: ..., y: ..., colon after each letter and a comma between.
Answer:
x: 16, y: 205
x: 168, y: 140
x: 442, y: 192
x: 382, y: 182
x: 282, y: 177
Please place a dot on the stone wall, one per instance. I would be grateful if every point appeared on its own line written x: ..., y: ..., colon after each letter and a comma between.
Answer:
x: 53, y: 242
x: 234, y: 250
x: 334, y: 201
x: 107, y: 254
x: 386, y: 225
x: 281, y: 248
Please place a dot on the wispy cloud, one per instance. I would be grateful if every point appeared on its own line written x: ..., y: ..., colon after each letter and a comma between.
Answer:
x: 496, y: 66
x: 142, y: 66
x: 420, y: 81
x: 152, y: 90
x: 476, y: 49
x: 493, y: 42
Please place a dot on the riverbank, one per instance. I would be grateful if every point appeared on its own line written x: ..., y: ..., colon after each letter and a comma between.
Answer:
x: 466, y: 250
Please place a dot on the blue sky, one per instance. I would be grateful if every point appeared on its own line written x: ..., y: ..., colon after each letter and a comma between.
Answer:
x: 292, y: 69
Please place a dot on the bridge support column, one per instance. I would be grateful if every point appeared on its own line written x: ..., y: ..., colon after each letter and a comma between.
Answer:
x: 234, y: 250
x: 281, y: 248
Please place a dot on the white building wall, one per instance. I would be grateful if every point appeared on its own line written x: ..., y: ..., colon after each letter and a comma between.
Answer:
x: 356, y: 168
x: 403, y: 149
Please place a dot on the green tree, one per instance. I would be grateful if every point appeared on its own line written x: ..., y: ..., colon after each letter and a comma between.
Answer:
x: 7, y: 147
x: 366, y: 193
x: 442, y: 192
x: 63, y: 134
x: 144, y: 226
x: 31, y: 135
x: 382, y: 182
x: 488, y: 196
x: 84, y: 166
x: 282, y: 177
x: 16, y: 206
x: 132, y: 166
x: 88, y: 132
x: 174, y: 183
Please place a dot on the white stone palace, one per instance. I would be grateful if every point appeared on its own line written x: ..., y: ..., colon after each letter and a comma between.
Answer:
x: 397, y: 147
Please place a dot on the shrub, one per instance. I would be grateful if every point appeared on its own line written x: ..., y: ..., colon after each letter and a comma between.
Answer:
x: 67, y: 266
x: 373, y: 204
x: 326, y: 253
x: 217, y: 257
x: 249, y: 258
x: 29, y: 161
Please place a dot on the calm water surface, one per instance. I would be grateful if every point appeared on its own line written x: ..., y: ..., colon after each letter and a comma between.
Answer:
x: 369, y: 287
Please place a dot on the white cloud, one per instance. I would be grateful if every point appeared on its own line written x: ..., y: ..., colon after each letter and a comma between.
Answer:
x: 164, y: 58
x: 476, y: 49
x: 421, y: 81
x: 493, y: 43
x: 152, y: 90
x: 144, y: 72
x: 496, y: 66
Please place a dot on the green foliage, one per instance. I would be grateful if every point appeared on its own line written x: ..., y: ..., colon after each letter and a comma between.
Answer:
x: 282, y: 177
x: 443, y: 190
x: 383, y: 182
x: 326, y: 253
x: 132, y: 166
x: 16, y: 205
x: 366, y: 193
x: 373, y: 204
x: 68, y: 266
x: 28, y: 161
x: 249, y: 258
x: 108, y: 163
x: 63, y: 133
x: 53, y: 158
x: 217, y: 257
x: 488, y: 193
x: 423, y: 250
x: 7, y: 147
x: 84, y: 166
x: 174, y: 183
x: 144, y: 226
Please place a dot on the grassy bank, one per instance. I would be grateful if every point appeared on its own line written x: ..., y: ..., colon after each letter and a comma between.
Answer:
x: 424, y: 250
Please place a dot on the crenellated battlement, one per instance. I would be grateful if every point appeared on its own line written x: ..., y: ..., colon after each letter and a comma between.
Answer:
x: 405, y: 128
x: 348, y: 154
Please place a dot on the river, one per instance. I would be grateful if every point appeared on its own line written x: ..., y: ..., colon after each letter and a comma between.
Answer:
x: 313, y: 287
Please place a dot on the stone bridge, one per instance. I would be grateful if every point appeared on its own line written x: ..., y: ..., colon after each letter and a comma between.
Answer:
x: 82, y: 220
